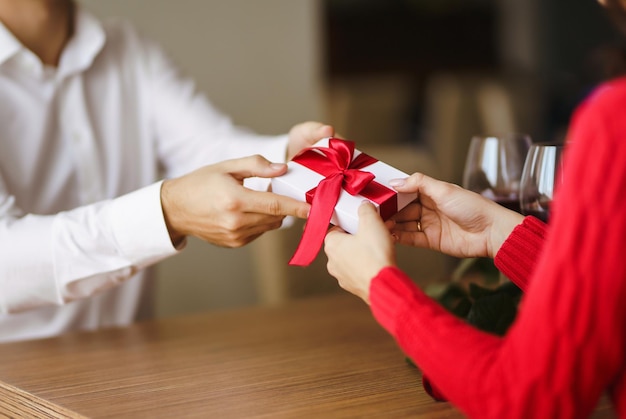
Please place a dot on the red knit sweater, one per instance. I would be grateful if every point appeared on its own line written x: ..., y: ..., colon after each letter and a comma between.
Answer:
x: 568, y: 343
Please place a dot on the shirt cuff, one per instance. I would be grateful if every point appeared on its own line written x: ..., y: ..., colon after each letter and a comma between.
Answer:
x: 139, y: 226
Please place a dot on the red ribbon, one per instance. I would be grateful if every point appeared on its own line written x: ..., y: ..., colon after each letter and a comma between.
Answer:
x: 336, y: 164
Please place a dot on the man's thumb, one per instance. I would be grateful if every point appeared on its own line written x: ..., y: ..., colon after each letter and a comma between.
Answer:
x: 254, y: 166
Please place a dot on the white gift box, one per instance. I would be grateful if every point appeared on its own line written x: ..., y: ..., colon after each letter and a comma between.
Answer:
x: 300, y: 179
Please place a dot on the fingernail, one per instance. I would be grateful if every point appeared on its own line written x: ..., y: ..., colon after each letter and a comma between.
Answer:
x: 397, y: 182
x: 277, y: 166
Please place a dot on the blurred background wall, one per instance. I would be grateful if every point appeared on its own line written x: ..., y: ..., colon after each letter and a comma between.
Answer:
x: 410, y: 80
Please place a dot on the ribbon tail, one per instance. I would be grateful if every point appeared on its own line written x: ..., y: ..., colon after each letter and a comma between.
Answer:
x: 315, y: 229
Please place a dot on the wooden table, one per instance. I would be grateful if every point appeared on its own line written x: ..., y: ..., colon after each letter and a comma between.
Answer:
x: 323, y: 358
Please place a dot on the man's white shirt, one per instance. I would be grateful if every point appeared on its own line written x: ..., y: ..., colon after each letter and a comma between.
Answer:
x: 82, y: 149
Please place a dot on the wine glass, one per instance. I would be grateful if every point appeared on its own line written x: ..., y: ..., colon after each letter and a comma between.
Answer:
x: 542, y: 174
x: 494, y: 167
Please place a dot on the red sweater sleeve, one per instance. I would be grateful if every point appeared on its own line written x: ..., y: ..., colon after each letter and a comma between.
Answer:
x: 568, y: 343
x: 518, y: 255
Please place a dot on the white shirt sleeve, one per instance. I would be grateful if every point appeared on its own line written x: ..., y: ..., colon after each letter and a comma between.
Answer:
x: 74, y: 254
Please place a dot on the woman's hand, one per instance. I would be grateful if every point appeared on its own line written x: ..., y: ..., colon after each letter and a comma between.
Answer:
x: 355, y: 259
x: 450, y: 219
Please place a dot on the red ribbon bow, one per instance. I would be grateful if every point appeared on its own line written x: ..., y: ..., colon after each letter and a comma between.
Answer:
x: 336, y: 164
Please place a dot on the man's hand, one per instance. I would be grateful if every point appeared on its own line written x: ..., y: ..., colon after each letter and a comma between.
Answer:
x: 212, y: 204
x: 305, y: 135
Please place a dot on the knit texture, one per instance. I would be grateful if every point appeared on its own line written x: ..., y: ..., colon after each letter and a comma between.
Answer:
x: 568, y: 343
x: 518, y: 255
